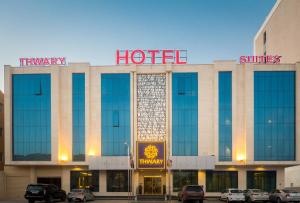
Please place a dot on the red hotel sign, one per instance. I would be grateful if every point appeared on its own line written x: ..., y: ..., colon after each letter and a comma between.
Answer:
x: 42, y: 61
x: 155, y: 56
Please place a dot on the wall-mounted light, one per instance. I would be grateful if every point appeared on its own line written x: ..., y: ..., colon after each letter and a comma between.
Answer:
x: 240, y: 157
x: 64, y: 157
x: 91, y: 153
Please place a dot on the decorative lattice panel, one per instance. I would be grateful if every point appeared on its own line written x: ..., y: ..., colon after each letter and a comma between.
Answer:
x: 151, y: 107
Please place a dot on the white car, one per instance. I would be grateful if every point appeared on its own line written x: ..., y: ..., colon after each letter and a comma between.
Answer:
x: 255, y: 195
x: 232, y: 195
x: 80, y: 195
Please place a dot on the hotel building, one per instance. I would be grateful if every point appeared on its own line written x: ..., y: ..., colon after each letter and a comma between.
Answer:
x: 218, y: 125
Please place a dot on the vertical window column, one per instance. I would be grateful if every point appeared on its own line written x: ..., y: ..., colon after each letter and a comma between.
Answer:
x: 31, y: 117
x: 274, y: 115
x: 185, y: 114
x: 225, y: 116
x: 115, y: 114
x: 78, y: 113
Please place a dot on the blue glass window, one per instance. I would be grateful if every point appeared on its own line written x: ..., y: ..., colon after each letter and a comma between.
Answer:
x: 225, y: 116
x: 31, y: 117
x: 78, y: 106
x: 115, y: 113
x: 185, y: 114
x: 274, y: 115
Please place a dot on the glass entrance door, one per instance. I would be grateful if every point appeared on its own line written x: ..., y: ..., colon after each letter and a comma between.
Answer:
x: 152, y: 185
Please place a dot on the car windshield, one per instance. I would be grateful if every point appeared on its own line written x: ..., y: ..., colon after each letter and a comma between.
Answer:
x: 194, y: 188
x: 35, y: 187
x: 77, y: 190
x: 236, y: 191
x: 290, y: 191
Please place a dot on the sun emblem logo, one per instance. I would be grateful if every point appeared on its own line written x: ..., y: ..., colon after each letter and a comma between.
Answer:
x: 151, y: 152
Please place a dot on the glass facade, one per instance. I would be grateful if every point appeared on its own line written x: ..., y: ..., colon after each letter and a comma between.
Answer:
x: 85, y: 180
x: 218, y: 181
x: 78, y: 113
x: 274, y: 116
x: 225, y: 116
x: 265, y: 180
x: 185, y: 114
x: 31, y: 117
x: 117, y: 181
x: 182, y: 178
x: 115, y: 113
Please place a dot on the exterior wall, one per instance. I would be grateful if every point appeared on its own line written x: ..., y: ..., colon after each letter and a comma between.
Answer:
x: 61, y: 123
x: 1, y: 131
x: 282, y: 27
x: 291, y: 176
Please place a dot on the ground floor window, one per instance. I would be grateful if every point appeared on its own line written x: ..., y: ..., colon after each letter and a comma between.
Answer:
x: 265, y: 180
x: 85, y: 179
x: 217, y: 181
x: 53, y: 180
x: 117, y: 181
x: 182, y: 178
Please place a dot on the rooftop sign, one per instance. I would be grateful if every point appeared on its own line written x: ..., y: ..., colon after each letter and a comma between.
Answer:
x: 42, y: 61
x: 268, y: 59
x: 155, y: 56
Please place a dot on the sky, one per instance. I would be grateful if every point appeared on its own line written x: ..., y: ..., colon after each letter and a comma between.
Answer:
x: 92, y: 30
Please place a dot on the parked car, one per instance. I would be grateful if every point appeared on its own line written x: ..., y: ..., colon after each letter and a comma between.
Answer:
x: 232, y: 195
x: 191, y: 192
x: 46, y: 192
x: 81, y: 195
x: 256, y: 195
x: 284, y: 195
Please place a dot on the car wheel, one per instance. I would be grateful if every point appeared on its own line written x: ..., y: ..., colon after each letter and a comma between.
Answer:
x: 69, y: 200
x: 49, y: 199
x: 84, y: 200
x: 30, y: 201
x: 278, y: 200
x: 179, y: 200
x: 201, y: 201
x: 227, y: 200
x: 63, y: 198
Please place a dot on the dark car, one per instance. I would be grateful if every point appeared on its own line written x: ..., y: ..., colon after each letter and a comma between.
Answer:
x: 46, y: 192
x: 191, y: 192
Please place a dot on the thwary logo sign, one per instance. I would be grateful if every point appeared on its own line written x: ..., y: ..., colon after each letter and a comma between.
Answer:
x: 151, y: 155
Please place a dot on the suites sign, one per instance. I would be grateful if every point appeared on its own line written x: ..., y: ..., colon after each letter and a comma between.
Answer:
x: 151, y: 155
x: 268, y: 59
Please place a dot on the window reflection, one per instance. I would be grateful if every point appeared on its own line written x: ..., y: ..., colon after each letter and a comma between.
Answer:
x: 182, y: 178
x: 274, y: 115
x: 185, y: 114
x: 78, y: 105
x: 217, y: 181
x: 31, y: 117
x: 225, y: 116
x: 264, y: 180
x: 85, y: 179
x: 117, y: 181
x: 115, y: 113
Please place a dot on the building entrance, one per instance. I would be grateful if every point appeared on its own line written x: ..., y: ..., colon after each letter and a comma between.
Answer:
x: 152, y: 185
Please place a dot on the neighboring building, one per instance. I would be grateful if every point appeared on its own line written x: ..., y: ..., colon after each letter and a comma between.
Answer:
x: 279, y: 34
x: 222, y: 125
x: 292, y: 177
x: 1, y: 131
